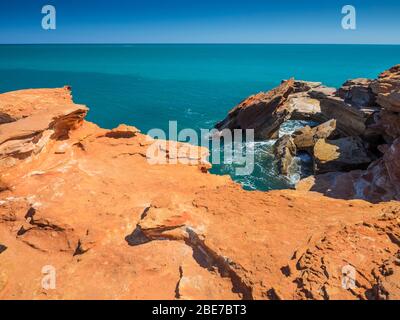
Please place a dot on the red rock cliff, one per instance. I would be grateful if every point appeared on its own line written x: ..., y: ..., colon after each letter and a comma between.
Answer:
x: 86, y: 201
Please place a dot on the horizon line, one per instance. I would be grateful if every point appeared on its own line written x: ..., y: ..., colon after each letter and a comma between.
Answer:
x: 198, y: 43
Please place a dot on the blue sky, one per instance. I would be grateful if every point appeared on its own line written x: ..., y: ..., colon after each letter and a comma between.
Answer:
x: 200, y: 21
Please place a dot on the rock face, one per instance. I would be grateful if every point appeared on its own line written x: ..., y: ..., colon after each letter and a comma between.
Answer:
x: 306, y: 137
x: 355, y: 144
x: 388, y: 123
x: 285, y: 151
x: 301, y: 100
x: 351, y: 121
x: 263, y: 112
x: 33, y: 121
x: 380, y: 181
x: 358, y: 93
x: 26, y: 103
x: 392, y: 164
x: 90, y: 205
x: 343, y: 154
x: 387, y: 89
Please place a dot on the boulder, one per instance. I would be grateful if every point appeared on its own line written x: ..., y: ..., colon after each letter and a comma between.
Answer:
x: 380, y: 182
x: 123, y: 131
x: 285, y: 148
x: 358, y: 93
x: 285, y: 151
x: 263, y: 112
x: 388, y: 123
x: 343, y: 154
x: 387, y: 89
x: 304, y: 86
x: 321, y: 104
x: 351, y: 121
x: 305, y: 138
x: 303, y: 107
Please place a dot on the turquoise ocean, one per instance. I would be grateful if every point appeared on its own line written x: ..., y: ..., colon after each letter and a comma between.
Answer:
x: 196, y: 85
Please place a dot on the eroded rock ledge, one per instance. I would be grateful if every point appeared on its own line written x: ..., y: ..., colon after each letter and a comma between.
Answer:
x: 355, y: 145
x: 86, y: 201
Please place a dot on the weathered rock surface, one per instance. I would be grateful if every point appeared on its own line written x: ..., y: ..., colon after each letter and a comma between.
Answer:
x: 306, y: 137
x: 26, y: 135
x: 380, y: 181
x: 263, y: 112
x: 388, y: 123
x: 285, y: 151
x: 114, y: 226
x: 310, y: 271
x: 387, y: 89
x: 392, y: 164
x: 358, y: 93
x: 302, y: 100
x: 351, y: 121
x: 343, y: 154
x: 358, y: 123
x: 21, y: 104
x: 303, y: 107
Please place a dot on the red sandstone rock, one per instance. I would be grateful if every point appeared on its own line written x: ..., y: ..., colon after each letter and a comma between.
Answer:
x: 38, y: 116
x: 387, y: 89
x: 301, y: 100
x: 388, y: 123
x: 380, y: 182
x: 306, y: 137
x: 358, y: 93
x: 263, y: 112
x: 343, y: 154
x: 285, y: 150
x: 114, y: 226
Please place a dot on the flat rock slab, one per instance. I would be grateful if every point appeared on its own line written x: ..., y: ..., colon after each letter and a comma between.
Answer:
x: 343, y: 154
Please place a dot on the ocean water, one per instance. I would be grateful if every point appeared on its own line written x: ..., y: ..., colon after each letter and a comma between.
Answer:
x: 196, y: 85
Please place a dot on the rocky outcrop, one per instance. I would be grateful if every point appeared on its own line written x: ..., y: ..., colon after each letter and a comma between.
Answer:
x: 387, y: 89
x: 93, y: 207
x: 351, y: 121
x: 344, y: 154
x: 291, y: 269
x: 302, y: 100
x: 380, y: 181
x: 285, y: 151
x: 356, y: 125
x: 306, y: 137
x: 25, y: 135
x: 358, y: 93
x: 263, y: 112
x: 21, y: 104
x: 388, y: 123
x: 320, y: 275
